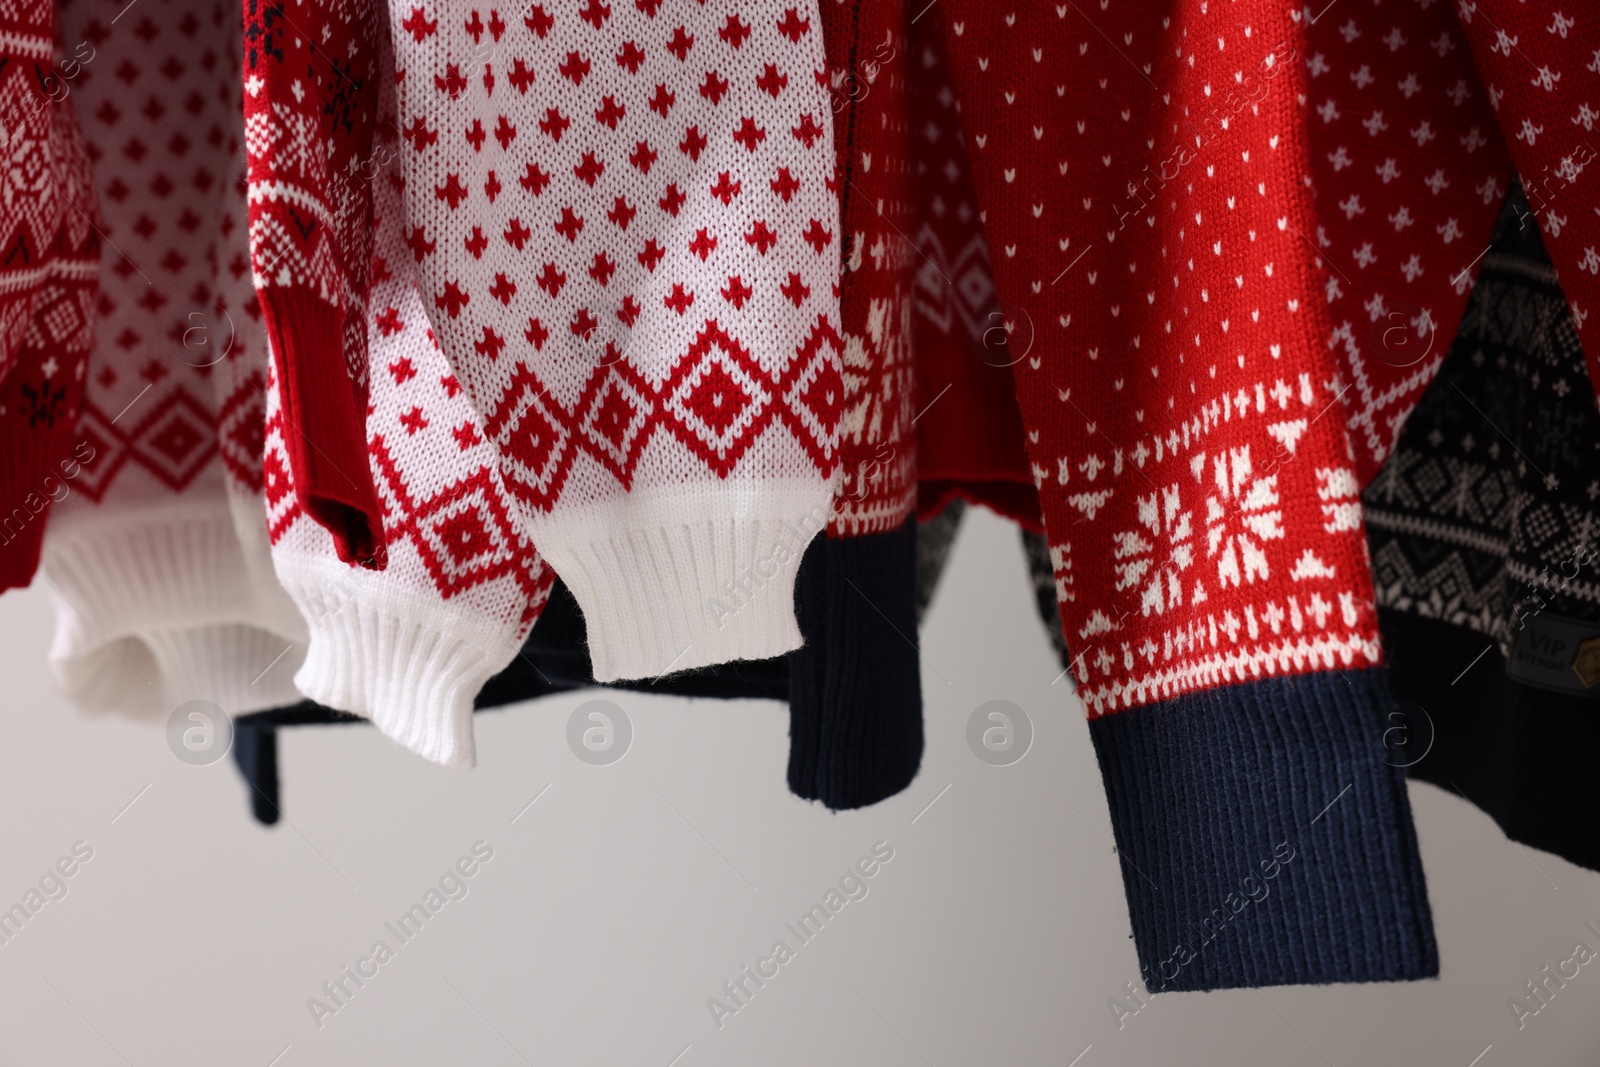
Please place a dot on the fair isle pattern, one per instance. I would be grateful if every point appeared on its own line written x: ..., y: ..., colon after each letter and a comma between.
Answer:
x: 1408, y: 171
x: 625, y: 228
x: 1201, y: 509
x: 159, y: 104
x: 867, y: 66
x: 1541, y: 74
x: 1189, y: 223
x: 310, y: 217
x: 450, y: 524
x: 47, y: 276
x: 1464, y: 526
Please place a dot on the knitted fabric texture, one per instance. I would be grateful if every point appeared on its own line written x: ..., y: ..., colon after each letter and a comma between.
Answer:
x: 855, y: 694
x: 409, y: 646
x: 623, y: 223
x: 48, y: 281
x: 1484, y: 525
x: 867, y: 68
x: 157, y: 556
x: 969, y: 431
x: 1195, y: 303
x: 310, y: 70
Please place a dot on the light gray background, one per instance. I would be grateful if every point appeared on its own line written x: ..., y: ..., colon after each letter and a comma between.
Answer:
x: 624, y: 898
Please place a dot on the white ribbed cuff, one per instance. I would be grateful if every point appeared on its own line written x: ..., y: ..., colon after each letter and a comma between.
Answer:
x: 160, y: 605
x: 688, y: 579
x: 412, y: 665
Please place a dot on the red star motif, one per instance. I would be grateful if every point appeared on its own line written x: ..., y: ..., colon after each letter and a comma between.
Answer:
x: 466, y: 436
x: 389, y: 324
x: 629, y: 311
x: 643, y: 157
x: 714, y: 88
x: 583, y: 323
x: 673, y: 200
x: 680, y: 44
x: 536, y: 334
x: 534, y: 180
x: 520, y: 77
x: 452, y: 192
x: 749, y: 134
x: 795, y: 290
x: 401, y: 370
x: 817, y: 237
x: 575, y: 68
x: 703, y: 245
x: 475, y: 135
x: 551, y: 280
x: 630, y: 57
x: 570, y: 224
x: 771, y: 81
x: 554, y: 123
x: 662, y: 102
x: 517, y: 234
x: 651, y: 255
x: 610, y: 111
x: 808, y: 130
x: 539, y: 20
x: 413, y: 421
x: 452, y: 300
x: 792, y: 26
x: 491, y: 187
x: 589, y: 170
x: 678, y: 300
x: 451, y: 83
x: 595, y: 13
x: 505, y: 133
x: 785, y: 184
x: 419, y: 26
x: 503, y: 288
x: 489, y: 345
x: 477, y: 243
x: 602, y: 269
x: 737, y: 291
x: 419, y: 244
x: 726, y: 189
x: 692, y: 143
x: 735, y: 31
x: 621, y: 213
x: 761, y: 236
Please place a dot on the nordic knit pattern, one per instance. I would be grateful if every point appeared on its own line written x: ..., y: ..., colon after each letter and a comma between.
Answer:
x: 158, y: 554
x: 1212, y: 255
x: 969, y: 432
x: 624, y: 222
x: 410, y: 646
x: 47, y: 280
x: 867, y: 66
x: 310, y: 70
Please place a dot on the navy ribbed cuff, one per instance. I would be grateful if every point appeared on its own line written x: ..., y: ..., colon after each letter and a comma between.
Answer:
x: 1264, y: 837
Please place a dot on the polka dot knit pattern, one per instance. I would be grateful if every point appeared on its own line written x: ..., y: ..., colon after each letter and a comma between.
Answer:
x: 624, y: 223
x: 410, y: 646
x: 47, y: 284
x: 158, y: 552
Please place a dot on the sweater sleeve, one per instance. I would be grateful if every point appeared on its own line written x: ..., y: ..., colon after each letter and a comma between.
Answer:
x: 1541, y: 72
x: 48, y: 286
x: 309, y: 101
x: 624, y: 223
x: 410, y: 646
x: 1146, y: 181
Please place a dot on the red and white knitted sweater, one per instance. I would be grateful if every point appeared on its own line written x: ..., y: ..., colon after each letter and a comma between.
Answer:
x: 409, y: 646
x: 1233, y: 233
x: 158, y: 556
x: 624, y: 224
x: 48, y: 281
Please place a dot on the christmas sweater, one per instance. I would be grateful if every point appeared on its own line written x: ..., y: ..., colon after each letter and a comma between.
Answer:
x: 310, y: 100
x: 624, y: 223
x: 48, y: 282
x: 158, y: 555
x: 1235, y: 235
x: 409, y: 646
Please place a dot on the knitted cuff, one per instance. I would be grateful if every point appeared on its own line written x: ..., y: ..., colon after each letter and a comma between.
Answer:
x: 855, y: 687
x: 1263, y: 838
x: 1523, y: 755
x: 160, y: 606
x: 326, y: 428
x: 411, y: 665
x: 686, y: 579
